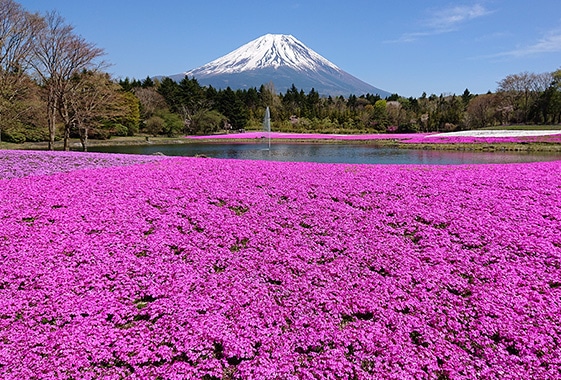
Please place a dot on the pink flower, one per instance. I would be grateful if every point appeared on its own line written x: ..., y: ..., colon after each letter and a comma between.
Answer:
x: 123, y: 266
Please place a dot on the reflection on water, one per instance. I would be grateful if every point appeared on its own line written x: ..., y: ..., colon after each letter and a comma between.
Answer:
x: 332, y: 153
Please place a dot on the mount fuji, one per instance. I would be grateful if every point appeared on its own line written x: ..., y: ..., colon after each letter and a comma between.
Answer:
x: 284, y: 61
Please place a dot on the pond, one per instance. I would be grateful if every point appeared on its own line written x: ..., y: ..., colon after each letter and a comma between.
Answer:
x: 332, y: 153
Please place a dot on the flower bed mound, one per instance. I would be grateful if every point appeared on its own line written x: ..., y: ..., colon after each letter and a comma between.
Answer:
x: 225, y: 269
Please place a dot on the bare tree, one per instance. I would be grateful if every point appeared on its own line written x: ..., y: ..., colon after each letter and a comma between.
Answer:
x: 17, y: 29
x: 395, y: 112
x: 59, y: 54
x: 520, y: 91
x: 150, y: 101
x: 480, y: 111
x: 193, y: 112
x: 543, y: 81
x: 93, y: 97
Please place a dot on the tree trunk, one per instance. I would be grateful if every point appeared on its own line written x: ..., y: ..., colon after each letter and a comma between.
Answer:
x: 83, y: 138
x: 51, y: 115
x: 85, y: 143
x: 65, y: 115
x: 66, y: 137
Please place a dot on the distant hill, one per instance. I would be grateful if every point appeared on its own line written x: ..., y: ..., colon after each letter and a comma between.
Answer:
x: 284, y: 61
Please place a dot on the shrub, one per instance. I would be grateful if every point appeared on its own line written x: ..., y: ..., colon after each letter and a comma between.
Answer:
x: 120, y: 130
x: 12, y: 136
x: 154, y: 125
x: 99, y: 134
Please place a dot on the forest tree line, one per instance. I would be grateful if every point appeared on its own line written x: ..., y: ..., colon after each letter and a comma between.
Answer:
x: 54, y: 86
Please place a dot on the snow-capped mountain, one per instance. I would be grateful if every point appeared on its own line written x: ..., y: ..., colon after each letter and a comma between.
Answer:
x: 282, y: 60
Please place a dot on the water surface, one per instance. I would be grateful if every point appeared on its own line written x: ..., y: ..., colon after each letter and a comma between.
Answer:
x: 332, y: 153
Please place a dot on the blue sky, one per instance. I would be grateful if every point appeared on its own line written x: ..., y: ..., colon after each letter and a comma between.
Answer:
x: 404, y: 47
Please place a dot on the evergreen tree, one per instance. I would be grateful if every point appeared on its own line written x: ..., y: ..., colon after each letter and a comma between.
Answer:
x: 148, y: 82
x: 171, y: 92
x: 466, y: 97
x: 232, y: 108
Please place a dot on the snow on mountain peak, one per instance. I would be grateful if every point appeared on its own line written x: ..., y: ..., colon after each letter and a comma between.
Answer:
x: 283, y: 61
x: 268, y: 51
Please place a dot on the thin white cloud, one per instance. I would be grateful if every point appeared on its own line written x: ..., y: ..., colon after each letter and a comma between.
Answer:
x: 493, y: 36
x: 446, y: 20
x: 551, y: 43
x: 449, y: 19
x: 410, y: 37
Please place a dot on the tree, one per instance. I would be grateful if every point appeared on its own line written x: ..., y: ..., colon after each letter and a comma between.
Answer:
x: 131, y: 118
x: 173, y: 124
x: 17, y: 29
x: 193, y: 103
x: 395, y: 112
x: 148, y: 82
x: 155, y: 125
x: 555, y: 104
x: 209, y: 121
x: 250, y: 98
x: 466, y: 97
x: 232, y: 107
x: 59, y: 54
x: 267, y: 94
x: 451, y: 112
x: 93, y: 99
x: 313, y: 103
x: 519, y: 91
x: 380, y: 114
x: 171, y: 93
x: 480, y: 111
x: 150, y: 101
x: 548, y: 106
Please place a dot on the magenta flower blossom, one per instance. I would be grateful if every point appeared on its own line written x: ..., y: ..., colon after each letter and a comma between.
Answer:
x: 443, y: 139
x: 29, y: 163
x: 307, y: 136
x: 410, y: 138
x: 145, y: 267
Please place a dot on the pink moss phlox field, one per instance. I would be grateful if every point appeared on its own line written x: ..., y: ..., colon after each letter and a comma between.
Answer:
x: 428, y: 139
x: 225, y: 269
x: 409, y: 138
x: 29, y: 163
x: 309, y: 136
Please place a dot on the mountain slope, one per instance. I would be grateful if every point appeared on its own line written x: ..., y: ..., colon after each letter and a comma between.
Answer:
x: 282, y: 60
